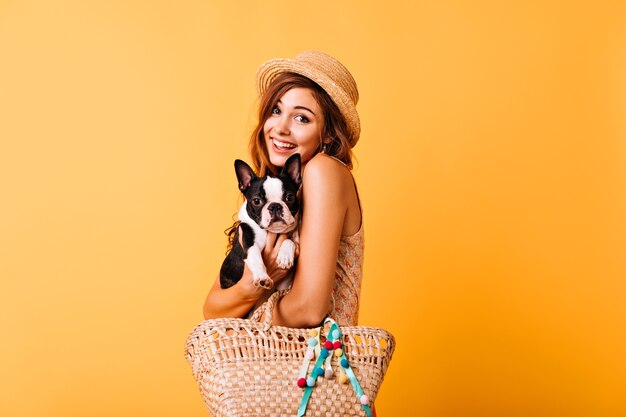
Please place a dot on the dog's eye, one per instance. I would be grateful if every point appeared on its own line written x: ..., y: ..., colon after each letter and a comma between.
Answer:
x: 256, y: 201
x: 289, y: 198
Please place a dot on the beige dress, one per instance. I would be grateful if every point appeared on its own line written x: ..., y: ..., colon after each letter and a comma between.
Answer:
x: 348, y: 274
x: 347, y: 287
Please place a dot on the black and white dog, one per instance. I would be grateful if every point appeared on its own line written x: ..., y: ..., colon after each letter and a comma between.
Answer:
x: 271, y: 205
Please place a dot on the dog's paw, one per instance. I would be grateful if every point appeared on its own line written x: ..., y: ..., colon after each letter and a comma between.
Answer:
x: 286, y: 254
x: 264, y: 282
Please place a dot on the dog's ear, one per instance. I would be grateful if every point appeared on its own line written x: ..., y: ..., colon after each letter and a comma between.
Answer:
x: 245, y: 175
x: 292, y: 168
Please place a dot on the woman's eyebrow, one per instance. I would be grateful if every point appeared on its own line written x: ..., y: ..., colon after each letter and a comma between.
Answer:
x: 299, y: 108
x: 304, y: 108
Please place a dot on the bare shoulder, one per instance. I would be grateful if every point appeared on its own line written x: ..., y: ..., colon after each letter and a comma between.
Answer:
x: 332, y: 188
x: 324, y: 170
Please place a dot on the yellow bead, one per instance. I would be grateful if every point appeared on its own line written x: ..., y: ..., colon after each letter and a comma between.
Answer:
x: 339, y: 352
x: 313, y: 332
x: 343, y: 378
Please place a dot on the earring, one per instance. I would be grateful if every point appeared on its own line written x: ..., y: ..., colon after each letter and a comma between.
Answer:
x: 324, y: 148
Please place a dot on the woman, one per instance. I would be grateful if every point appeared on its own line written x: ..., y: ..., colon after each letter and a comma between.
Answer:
x: 308, y: 107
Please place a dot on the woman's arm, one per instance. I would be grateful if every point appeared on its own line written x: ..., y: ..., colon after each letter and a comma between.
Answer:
x: 327, y: 190
x: 237, y: 300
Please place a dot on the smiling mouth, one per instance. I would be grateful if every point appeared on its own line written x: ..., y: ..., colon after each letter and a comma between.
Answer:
x: 283, y: 146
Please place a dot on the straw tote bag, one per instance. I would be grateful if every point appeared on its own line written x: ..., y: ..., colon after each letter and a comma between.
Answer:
x: 247, y: 367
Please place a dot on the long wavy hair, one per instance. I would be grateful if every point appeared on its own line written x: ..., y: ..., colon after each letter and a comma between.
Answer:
x: 335, y: 126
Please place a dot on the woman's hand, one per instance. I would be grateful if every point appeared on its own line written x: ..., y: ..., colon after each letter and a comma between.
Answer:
x: 237, y: 300
x: 270, y: 254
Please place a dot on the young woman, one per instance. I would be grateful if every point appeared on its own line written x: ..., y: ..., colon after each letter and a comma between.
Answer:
x: 307, y: 106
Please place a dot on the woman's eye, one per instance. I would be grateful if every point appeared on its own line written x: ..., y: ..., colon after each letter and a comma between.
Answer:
x: 302, y: 119
x: 275, y: 110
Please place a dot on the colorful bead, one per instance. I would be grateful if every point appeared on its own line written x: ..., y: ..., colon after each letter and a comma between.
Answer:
x: 364, y: 399
x: 313, y: 332
x: 344, y: 363
x: 328, y: 345
x: 339, y: 352
x: 324, y: 353
x: 310, y: 381
x: 328, y: 374
x: 301, y: 382
x: 335, y: 334
x: 309, y: 355
x: 312, y: 342
x: 343, y: 378
x: 337, y: 344
x: 318, y: 372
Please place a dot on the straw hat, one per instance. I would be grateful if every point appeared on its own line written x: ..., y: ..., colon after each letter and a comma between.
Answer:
x: 328, y: 73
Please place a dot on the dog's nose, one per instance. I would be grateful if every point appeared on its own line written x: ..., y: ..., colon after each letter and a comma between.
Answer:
x: 275, y: 208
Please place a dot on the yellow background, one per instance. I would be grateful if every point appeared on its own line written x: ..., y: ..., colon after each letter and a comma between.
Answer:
x: 492, y: 170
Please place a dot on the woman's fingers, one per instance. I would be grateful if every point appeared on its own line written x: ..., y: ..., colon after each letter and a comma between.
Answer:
x: 240, y: 235
x: 270, y: 255
x: 279, y: 241
x: 269, y: 244
x: 274, y: 241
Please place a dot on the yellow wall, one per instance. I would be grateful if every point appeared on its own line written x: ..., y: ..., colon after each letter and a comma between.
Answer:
x: 492, y: 168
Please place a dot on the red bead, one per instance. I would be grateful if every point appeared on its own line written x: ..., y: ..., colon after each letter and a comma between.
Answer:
x: 329, y: 345
x: 337, y: 344
x: 302, y: 382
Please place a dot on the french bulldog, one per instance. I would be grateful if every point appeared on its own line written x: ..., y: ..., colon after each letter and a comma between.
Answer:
x: 271, y: 206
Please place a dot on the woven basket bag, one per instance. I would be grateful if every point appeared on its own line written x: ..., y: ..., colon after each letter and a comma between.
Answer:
x: 247, y: 367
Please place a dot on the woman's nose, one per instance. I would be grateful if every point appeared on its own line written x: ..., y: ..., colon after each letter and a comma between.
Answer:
x: 282, y: 126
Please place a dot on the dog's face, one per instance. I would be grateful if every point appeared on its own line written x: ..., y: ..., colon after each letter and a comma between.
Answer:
x: 271, y: 201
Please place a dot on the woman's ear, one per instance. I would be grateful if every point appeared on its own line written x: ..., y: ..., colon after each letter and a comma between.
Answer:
x: 326, y: 143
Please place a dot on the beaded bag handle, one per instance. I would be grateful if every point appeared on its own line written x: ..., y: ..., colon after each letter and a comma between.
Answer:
x: 332, y: 344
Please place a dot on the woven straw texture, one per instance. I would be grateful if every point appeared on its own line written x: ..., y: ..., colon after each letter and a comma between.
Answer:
x: 249, y: 368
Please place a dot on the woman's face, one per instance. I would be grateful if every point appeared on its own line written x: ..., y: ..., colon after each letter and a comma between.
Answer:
x: 294, y: 126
